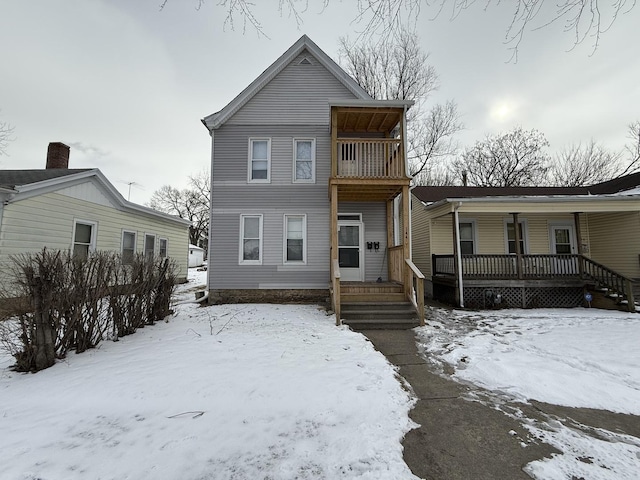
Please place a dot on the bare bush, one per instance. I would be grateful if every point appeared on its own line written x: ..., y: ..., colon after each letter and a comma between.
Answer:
x: 61, y: 302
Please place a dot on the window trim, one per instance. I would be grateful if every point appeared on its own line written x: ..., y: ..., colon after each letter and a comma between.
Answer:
x: 94, y: 234
x: 166, y: 247
x: 144, y: 245
x: 241, y: 260
x: 285, y: 261
x: 313, y: 160
x: 474, y: 234
x: 250, y: 160
x: 135, y: 244
x: 525, y: 235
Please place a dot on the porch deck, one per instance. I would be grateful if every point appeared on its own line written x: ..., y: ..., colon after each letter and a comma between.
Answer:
x: 559, y: 277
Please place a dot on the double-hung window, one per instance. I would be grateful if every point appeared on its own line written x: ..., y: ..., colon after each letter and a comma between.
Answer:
x: 162, y: 247
x: 467, y: 238
x: 304, y: 161
x: 295, y: 233
x: 84, y: 238
x: 251, y: 239
x: 149, y: 245
x: 128, y: 247
x: 259, y: 168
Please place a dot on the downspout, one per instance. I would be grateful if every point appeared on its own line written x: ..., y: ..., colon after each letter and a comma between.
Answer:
x: 458, y: 253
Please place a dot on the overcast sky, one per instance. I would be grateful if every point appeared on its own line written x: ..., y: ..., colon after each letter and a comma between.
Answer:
x: 125, y: 84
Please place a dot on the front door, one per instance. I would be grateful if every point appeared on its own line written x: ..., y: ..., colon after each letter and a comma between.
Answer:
x: 563, y: 243
x: 350, y: 251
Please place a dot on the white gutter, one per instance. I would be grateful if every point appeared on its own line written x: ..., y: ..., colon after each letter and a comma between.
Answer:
x: 458, y: 253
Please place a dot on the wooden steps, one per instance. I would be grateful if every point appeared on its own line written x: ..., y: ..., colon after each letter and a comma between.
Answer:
x: 379, y: 315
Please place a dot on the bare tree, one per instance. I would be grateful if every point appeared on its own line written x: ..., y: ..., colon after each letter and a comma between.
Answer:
x: 6, y: 136
x: 579, y: 165
x: 190, y: 203
x: 513, y: 159
x: 397, y: 69
x: 431, y: 141
x: 582, y: 19
x: 633, y: 148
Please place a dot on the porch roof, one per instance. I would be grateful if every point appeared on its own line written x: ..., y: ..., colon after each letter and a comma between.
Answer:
x: 537, y: 204
x: 369, y: 116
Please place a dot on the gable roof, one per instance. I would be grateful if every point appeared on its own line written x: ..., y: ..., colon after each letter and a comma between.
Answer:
x: 13, y: 178
x: 616, y: 185
x: 216, y: 120
x: 21, y: 184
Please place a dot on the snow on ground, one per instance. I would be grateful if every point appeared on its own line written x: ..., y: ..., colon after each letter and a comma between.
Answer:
x: 572, y: 357
x: 223, y: 392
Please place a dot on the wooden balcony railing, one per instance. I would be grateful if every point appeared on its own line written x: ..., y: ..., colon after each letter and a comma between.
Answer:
x: 370, y: 158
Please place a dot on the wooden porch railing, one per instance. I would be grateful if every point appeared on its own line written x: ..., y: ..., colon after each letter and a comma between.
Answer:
x: 396, y: 263
x: 504, y: 267
x: 417, y: 289
x: 335, y: 289
x: 372, y: 158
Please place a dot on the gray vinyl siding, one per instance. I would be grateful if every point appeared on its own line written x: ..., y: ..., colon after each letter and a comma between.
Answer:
x: 374, y: 217
x: 297, y: 95
x: 231, y: 154
x: 293, y: 105
x: 421, y: 238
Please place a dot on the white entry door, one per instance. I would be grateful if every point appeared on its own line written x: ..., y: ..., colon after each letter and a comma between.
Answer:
x: 350, y: 251
x: 563, y: 243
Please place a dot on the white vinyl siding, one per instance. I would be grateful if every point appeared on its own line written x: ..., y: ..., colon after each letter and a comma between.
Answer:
x: 259, y: 167
x: 251, y: 239
x: 128, y: 246
x: 84, y: 237
x: 295, y: 234
x: 48, y: 220
x: 304, y: 160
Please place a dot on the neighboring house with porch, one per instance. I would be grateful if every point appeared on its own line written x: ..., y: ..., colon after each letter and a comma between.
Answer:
x: 567, y: 241
x: 81, y: 211
x: 307, y: 170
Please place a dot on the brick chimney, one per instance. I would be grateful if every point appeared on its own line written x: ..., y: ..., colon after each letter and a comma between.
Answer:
x: 57, y: 155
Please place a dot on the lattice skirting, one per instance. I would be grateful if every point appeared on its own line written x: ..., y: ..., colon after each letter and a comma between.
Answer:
x: 514, y: 297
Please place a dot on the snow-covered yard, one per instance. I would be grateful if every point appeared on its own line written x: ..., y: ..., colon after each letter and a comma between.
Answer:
x: 571, y: 357
x: 225, y: 392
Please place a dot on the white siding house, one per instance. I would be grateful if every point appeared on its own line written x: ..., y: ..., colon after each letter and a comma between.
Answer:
x: 80, y: 210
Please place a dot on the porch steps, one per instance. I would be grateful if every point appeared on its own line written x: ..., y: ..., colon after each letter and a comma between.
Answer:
x: 376, y: 315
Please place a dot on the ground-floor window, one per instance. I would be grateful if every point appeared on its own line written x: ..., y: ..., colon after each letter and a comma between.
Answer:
x: 251, y: 239
x: 295, y: 238
x: 84, y: 238
x: 128, y: 247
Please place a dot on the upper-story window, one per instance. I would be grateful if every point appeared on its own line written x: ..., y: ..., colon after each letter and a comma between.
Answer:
x: 259, y: 168
x: 304, y: 160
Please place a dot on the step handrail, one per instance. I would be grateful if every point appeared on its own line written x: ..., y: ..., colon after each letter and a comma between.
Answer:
x: 416, y: 296
x: 620, y: 284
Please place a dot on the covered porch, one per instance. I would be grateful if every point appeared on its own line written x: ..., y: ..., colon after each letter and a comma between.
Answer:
x: 533, y: 251
x: 369, y: 192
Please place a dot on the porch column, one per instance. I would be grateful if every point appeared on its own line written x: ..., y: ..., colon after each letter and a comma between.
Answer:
x: 516, y: 230
x: 576, y: 220
x: 405, y: 239
x: 457, y: 258
x: 390, y: 226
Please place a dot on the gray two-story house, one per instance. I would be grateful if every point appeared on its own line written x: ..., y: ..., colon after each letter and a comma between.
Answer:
x: 308, y: 180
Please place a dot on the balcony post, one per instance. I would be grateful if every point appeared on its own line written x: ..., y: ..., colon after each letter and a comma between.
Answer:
x: 334, y: 142
x: 405, y: 240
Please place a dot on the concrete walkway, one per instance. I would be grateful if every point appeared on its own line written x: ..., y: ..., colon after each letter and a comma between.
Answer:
x: 458, y: 438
